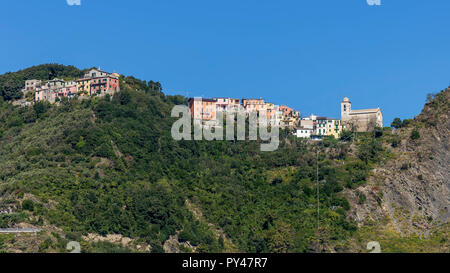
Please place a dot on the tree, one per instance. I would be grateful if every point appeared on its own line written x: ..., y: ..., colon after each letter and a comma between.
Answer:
x: 397, y: 123
x: 124, y: 97
x: 406, y: 122
x: 40, y: 108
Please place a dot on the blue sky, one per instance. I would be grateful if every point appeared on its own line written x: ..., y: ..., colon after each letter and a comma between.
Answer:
x: 306, y: 54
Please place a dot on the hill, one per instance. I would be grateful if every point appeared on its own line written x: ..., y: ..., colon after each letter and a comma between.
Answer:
x: 409, y: 196
x: 106, y: 172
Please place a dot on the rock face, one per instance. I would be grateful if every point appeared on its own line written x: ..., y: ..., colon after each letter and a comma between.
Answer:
x: 172, y: 245
x: 118, y: 240
x: 413, y: 190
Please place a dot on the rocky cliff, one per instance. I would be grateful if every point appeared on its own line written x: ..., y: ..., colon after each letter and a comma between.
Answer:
x: 411, y: 193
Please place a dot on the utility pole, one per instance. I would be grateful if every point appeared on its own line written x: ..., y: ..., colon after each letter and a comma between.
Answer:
x: 317, y: 180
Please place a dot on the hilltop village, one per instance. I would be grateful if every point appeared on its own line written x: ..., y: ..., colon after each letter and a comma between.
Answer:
x: 100, y: 83
x: 312, y: 126
x: 94, y: 83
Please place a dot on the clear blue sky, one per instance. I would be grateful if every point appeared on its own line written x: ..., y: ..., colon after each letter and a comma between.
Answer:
x: 306, y: 54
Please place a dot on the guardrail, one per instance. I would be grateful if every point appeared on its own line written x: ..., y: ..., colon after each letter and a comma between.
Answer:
x: 19, y: 230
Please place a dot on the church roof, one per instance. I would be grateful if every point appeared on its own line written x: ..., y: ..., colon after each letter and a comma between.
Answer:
x: 374, y: 110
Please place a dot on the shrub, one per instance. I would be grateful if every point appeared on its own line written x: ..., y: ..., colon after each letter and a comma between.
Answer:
x: 346, y: 135
x: 157, y: 248
x: 362, y: 197
x: 378, y: 132
x: 415, y: 134
x: 28, y: 205
x: 395, y: 142
x: 277, y: 180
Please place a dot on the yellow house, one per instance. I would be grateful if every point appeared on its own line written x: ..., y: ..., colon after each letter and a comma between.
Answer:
x: 84, y: 86
x: 289, y: 121
x: 333, y: 127
x: 269, y: 106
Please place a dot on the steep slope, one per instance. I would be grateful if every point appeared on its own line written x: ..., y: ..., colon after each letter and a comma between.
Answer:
x: 101, y: 167
x: 424, y: 185
x: 107, y: 173
x: 84, y: 169
x: 410, y: 195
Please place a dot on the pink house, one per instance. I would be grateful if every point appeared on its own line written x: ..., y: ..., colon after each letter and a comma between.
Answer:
x: 287, y: 111
x: 70, y: 90
x: 105, y: 84
x: 67, y: 91
x: 42, y: 93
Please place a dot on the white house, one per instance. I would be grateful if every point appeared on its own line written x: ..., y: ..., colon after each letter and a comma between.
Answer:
x: 304, y: 132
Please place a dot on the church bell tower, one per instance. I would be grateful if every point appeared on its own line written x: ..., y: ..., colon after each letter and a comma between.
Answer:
x: 346, y: 107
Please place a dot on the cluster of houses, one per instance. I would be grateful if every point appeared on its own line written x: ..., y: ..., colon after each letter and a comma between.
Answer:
x: 206, y: 109
x: 99, y: 83
x: 313, y: 127
x: 94, y: 83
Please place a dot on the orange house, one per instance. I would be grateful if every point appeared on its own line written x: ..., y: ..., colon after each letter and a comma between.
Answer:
x: 203, y: 109
x: 251, y: 105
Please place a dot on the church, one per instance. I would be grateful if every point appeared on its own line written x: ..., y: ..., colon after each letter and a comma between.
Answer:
x: 360, y: 120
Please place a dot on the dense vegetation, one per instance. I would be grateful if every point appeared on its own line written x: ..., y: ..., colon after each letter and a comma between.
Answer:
x: 110, y: 166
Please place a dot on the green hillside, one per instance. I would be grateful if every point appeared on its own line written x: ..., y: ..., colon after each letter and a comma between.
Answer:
x: 109, y: 166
